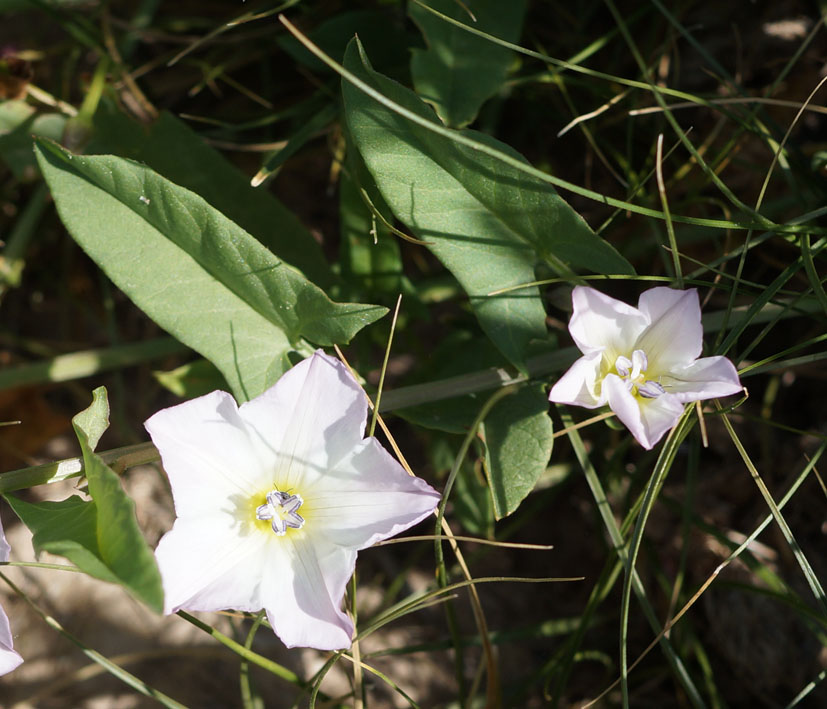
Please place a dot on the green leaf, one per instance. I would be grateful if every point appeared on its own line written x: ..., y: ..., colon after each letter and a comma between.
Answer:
x: 101, y: 537
x: 370, y: 256
x: 459, y: 71
x: 178, y: 153
x: 457, y: 353
x: 487, y: 222
x: 91, y: 423
x: 197, y: 274
x: 67, y: 528
x: 472, y: 503
x: 518, y: 439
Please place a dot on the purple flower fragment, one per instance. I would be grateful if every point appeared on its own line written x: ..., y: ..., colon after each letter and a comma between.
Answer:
x: 643, y: 362
x: 275, y: 497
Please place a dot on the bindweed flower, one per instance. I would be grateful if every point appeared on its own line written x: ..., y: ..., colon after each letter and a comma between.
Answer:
x: 9, y: 659
x: 275, y: 497
x: 643, y: 362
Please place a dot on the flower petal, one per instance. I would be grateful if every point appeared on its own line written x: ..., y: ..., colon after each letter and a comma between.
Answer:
x: 367, y: 497
x: 302, y: 591
x: 4, y: 545
x: 625, y: 406
x: 705, y: 378
x: 9, y: 659
x: 325, y: 411
x: 600, y: 323
x: 207, y: 453
x: 675, y: 336
x: 578, y: 386
x: 212, y: 563
x: 659, y: 416
x: 646, y: 419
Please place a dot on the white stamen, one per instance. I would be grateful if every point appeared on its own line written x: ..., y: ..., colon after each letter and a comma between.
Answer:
x: 633, y: 372
x: 622, y: 365
x: 640, y: 362
x: 282, y: 509
x: 650, y: 390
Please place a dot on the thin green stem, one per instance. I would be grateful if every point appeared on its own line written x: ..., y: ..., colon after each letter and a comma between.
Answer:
x: 759, y: 221
x: 378, y: 398
x: 115, y: 670
x: 246, y: 653
x: 245, y: 684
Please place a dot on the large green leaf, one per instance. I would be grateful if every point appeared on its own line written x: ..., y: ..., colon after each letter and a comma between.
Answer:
x: 518, y: 440
x: 178, y: 153
x: 459, y: 71
x: 486, y: 221
x: 100, y: 537
x: 195, y: 272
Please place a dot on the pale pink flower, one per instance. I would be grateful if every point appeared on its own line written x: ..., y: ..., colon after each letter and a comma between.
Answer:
x: 9, y: 659
x: 275, y: 497
x: 643, y: 362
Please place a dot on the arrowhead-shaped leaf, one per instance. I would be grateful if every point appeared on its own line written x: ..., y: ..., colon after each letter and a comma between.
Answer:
x: 196, y: 273
x: 459, y: 70
x: 488, y: 222
x: 171, y: 148
x: 101, y: 536
x: 518, y: 441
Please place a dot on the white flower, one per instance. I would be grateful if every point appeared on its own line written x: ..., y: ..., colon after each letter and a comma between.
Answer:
x: 643, y: 362
x: 275, y: 497
x: 9, y: 659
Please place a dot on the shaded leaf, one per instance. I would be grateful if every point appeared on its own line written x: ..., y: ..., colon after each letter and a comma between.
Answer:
x: 381, y: 32
x: 518, y: 439
x: 472, y: 503
x: 458, y: 353
x: 371, y: 260
x: 67, y: 528
x: 459, y: 71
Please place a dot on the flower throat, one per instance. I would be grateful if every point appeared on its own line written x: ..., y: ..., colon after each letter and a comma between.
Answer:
x: 633, y: 371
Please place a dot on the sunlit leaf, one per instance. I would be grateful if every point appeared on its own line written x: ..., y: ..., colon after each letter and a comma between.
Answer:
x: 196, y: 273
x: 171, y: 148
x: 487, y: 222
x: 101, y: 536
